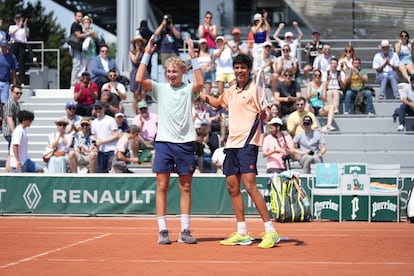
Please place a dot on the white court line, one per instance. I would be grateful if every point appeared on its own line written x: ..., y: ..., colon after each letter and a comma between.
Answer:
x: 54, y: 250
x: 303, y: 262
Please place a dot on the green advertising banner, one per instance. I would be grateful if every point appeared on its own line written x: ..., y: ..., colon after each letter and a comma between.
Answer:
x: 112, y: 194
x: 355, y: 207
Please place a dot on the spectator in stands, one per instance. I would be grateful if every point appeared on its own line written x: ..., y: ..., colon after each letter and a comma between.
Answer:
x: 122, y: 157
x: 267, y: 62
x: 333, y: 83
x: 110, y: 103
x: 206, y: 60
x: 117, y: 89
x: 135, y: 55
x: 217, y: 160
x: 76, y: 53
x: 60, y: 141
x: 198, y: 112
x: 208, y: 31
x: 285, y: 62
x: 310, y: 146
x: 287, y: 92
x: 277, y: 147
x: 237, y: 46
x: 260, y: 30
x: 146, y: 33
x: 11, y: 109
x: 121, y: 122
x: 8, y: 65
x: 168, y: 38
x: 100, y: 67
x: 313, y: 49
x: 19, y: 34
x: 322, y: 62
x: 148, y: 123
x: 19, y: 157
x: 386, y: 63
x: 175, y: 136
x: 202, y: 142
x: 289, y: 38
x: 83, y: 152
x: 105, y: 131
x: 85, y: 94
x: 404, y: 48
x: 3, y: 35
x: 355, y: 79
x: 72, y: 118
x: 295, y: 119
x: 217, y: 117
x: 346, y: 58
x: 224, y: 66
x: 407, y: 106
x: 89, y: 44
x: 316, y: 95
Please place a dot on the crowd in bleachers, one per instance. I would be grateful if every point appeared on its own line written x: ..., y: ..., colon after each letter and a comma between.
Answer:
x: 99, y: 91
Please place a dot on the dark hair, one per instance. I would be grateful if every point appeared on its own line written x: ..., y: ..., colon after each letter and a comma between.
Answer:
x: 143, y: 24
x: 15, y: 86
x: 334, y: 59
x: 85, y: 74
x: 301, y: 98
x: 77, y: 12
x: 405, y: 32
x: 243, y: 59
x: 25, y: 115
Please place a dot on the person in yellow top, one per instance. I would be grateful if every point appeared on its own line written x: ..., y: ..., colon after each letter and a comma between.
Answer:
x: 242, y: 147
x: 294, y: 121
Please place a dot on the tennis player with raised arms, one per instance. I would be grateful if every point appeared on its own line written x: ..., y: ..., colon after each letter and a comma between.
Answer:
x: 176, y: 133
x: 247, y: 109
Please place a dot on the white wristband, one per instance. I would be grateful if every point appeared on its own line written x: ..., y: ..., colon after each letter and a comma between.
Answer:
x: 145, y: 59
x: 195, y: 64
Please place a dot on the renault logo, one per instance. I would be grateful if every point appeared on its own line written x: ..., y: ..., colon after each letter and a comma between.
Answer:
x: 32, y: 196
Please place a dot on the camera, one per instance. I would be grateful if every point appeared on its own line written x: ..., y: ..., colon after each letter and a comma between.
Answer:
x: 311, y: 152
x: 285, y: 157
x: 168, y: 18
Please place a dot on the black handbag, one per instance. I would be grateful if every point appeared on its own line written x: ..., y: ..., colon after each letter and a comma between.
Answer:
x: 74, y: 42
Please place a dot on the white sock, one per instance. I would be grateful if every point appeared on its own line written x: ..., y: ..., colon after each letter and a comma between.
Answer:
x: 185, y: 222
x: 242, y: 228
x: 162, y: 223
x: 269, y: 226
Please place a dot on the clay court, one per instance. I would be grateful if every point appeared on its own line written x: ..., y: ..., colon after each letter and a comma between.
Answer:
x: 127, y: 246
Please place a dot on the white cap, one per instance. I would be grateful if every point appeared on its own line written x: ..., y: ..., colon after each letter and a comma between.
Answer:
x: 288, y: 34
x: 385, y: 43
x: 276, y: 120
x: 267, y: 43
x: 257, y: 16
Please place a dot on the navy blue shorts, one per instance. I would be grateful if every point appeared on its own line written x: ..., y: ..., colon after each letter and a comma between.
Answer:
x: 240, y: 160
x: 174, y: 157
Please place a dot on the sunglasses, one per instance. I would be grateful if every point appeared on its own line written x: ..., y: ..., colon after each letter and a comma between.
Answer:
x: 288, y: 75
x: 404, y: 35
x: 97, y: 108
x: 84, y: 125
x: 306, y: 124
x: 317, y: 75
x: 71, y: 108
x: 285, y: 50
x: 348, y: 51
x: 61, y: 124
x: 18, y: 93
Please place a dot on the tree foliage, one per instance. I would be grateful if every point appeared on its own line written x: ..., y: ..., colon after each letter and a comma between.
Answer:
x: 43, y: 27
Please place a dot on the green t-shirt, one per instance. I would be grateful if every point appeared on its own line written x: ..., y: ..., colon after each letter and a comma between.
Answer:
x: 175, y: 120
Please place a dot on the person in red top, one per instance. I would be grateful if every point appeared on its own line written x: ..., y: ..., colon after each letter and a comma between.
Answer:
x: 208, y: 30
x: 85, y: 94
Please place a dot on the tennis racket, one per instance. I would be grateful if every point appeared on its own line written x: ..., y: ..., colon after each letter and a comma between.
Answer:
x: 261, y: 88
